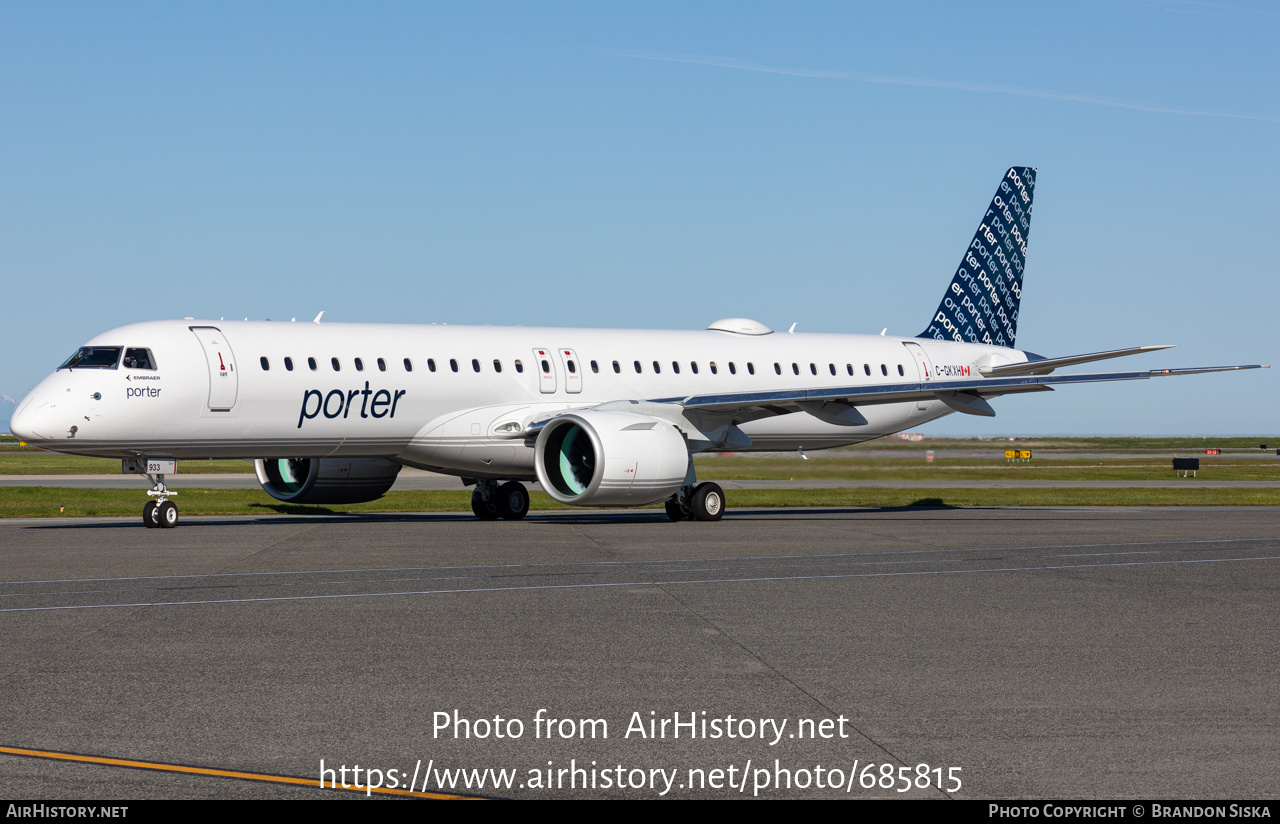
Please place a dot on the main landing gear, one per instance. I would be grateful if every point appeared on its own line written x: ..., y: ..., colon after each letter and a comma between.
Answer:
x: 703, y: 502
x: 491, y: 501
x: 161, y: 512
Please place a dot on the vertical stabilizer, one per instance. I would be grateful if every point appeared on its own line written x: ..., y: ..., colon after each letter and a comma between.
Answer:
x: 981, y: 304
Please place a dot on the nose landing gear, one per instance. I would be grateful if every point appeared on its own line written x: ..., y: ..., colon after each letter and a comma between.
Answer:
x: 162, y: 512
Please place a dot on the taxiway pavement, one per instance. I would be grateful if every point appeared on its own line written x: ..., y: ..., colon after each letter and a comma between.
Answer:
x: 1073, y: 653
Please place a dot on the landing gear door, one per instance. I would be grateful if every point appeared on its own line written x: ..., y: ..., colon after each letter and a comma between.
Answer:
x: 544, y: 366
x: 223, y: 383
x: 924, y: 369
x: 572, y: 371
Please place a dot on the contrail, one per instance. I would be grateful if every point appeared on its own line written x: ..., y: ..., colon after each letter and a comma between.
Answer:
x: 924, y: 82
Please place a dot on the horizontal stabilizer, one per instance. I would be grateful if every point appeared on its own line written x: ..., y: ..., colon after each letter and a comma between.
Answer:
x: 1200, y: 370
x: 1046, y: 365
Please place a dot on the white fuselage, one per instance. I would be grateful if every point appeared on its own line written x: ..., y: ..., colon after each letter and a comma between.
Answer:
x: 222, y: 389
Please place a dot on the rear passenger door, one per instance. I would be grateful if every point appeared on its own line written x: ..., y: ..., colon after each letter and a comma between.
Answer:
x: 572, y: 371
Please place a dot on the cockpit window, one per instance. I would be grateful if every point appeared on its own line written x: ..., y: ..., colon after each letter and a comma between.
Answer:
x: 93, y: 357
x: 138, y: 359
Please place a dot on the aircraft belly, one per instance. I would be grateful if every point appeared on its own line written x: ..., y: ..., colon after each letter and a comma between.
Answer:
x: 473, y: 457
x: 802, y: 430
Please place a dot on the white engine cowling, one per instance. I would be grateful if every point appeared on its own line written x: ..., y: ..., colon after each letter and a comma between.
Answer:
x: 326, y: 480
x: 610, y: 459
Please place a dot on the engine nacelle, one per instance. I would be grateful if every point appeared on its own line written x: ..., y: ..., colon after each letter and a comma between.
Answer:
x: 610, y: 459
x: 326, y: 480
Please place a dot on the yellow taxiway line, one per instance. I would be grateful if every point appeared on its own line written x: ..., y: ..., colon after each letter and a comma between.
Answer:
x: 207, y: 771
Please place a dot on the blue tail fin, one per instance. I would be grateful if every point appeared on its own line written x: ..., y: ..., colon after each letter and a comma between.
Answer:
x: 981, y: 304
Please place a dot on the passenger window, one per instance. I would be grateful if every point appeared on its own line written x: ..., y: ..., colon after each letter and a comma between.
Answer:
x: 733, y: 370
x: 713, y: 368
x: 777, y: 368
x: 359, y: 365
x: 813, y: 369
x: 265, y: 365
x: 595, y: 367
x: 751, y: 367
x: 453, y: 364
x: 657, y: 368
x: 675, y: 367
x: 616, y: 368
x: 311, y: 363
x: 334, y: 363
x: 833, y: 368
x: 546, y: 368
x: 866, y: 367
x: 884, y: 370
x: 520, y: 366
x: 900, y: 372
x: 694, y: 366
x: 573, y: 367
x: 497, y: 365
x: 475, y: 365
x: 138, y: 359
x: 431, y: 364
x: 382, y: 365
x: 637, y: 367
x: 288, y: 364
x: 408, y: 365
x: 795, y: 368
x: 849, y: 366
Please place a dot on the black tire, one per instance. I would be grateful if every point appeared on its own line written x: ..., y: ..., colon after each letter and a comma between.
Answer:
x: 149, y: 518
x: 707, y: 503
x: 167, y: 514
x: 676, y: 512
x: 484, y: 510
x: 513, y: 501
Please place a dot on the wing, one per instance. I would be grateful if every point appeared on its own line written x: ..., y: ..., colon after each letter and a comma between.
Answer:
x: 968, y: 396
x: 714, y: 418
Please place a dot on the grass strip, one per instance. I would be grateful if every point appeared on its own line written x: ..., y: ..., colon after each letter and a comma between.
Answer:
x: 843, y: 465
x: 38, y: 502
x: 28, y: 461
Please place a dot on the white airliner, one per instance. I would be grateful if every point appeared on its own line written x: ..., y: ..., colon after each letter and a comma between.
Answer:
x: 600, y: 417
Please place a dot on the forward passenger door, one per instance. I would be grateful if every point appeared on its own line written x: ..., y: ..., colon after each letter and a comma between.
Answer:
x: 223, y: 383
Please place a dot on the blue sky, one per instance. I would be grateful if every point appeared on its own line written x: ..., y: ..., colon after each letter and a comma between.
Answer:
x: 654, y: 165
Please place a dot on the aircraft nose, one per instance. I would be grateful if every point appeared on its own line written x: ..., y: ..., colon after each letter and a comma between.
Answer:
x: 26, y: 420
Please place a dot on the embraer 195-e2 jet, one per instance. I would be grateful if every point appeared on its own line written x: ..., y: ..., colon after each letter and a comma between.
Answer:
x: 600, y: 417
